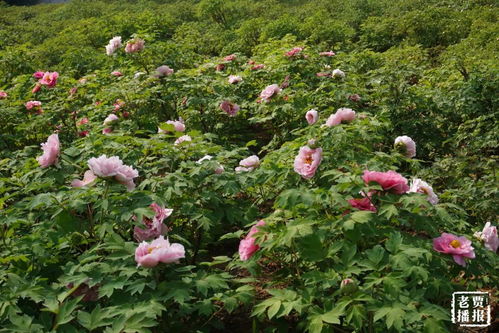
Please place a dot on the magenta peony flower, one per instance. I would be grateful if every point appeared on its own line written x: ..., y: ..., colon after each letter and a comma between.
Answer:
x: 116, y: 73
x: 51, y: 150
x: 294, y: 52
x: 107, y: 130
x: 88, y: 178
x: 183, y: 138
x: 230, y: 108
x: 342, y: 115
x: 307, y: 161
x: 419, y: 186
x: 247, y: 246
x: 110, y: 119
x: 269, y: 92
x: 105, y: 167
x: 407, y: 144
x: 390, y: 181
x: 83, y: 133
x: 49, y: 79
x: 233, y: 79
x: 312, y: 116
x: 160, y: 250
x: 33, y: 104
x: 134, y: 45
x: 337, y: 73
x: 114, y: 44
x: 248, y: 164
x: 155, y: 227
x: 38, y: 75
x: 230, y: 57
x: 3, y: 95
x: 327, y: 54
x: 489, y: 237
x: 458, y: 247
x: 163, y: 71
x: 362, y: 204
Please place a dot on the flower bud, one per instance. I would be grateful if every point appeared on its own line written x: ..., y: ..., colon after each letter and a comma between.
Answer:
x: 348, y: 286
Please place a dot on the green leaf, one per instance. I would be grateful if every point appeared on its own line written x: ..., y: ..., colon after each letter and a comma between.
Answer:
x: 273, y: 309
x: 393, y: 243
x: 376, y: 254
x: 311, y: 248
x: 65, y: 314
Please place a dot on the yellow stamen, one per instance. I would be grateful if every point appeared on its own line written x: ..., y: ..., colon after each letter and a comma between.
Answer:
x: 455, y: 243
x: 308, y: 160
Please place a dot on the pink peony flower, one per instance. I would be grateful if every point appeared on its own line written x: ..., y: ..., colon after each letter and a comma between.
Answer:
x: 118, y: 104
x: 155, y: 227
x: 257, y: 67
x: 83, y: 134
x: 51, y: 150
x: 407, y: 144
x: 160, y: 250
x: 49, y: 79
x: 134, y: 45
x: 362, y: 204
x: 312, y: 116
x: 114, y: 44
x: 163, y: 71
x: 82, y: 121
x: 337, y: 73
x: 269, y: 92
x: 219, y: 169
x: 183, y: 138
x: 3, y: 95
x: 458, y: 247
x: 489, y: 237
x: 178, y: 124
x: 341, y: 115
x: 327, y: 54
x: 220, y: 67
x: 390, y: 181
x: 307, y: 161
x: 419, y: 186
x: 230, y: 57
x: 248, y: 164
x: 247, y: 246
x: 36, y: 88
x: 105, y: 167
x: 294, y: 52
x: 88, y: 178
x: 116, y: 73
x: 107, y: 130
x: 233, y: 79
x: 110, y: 119
x: 230, y: 108
x: 33, y: 104
x: 38, y: 75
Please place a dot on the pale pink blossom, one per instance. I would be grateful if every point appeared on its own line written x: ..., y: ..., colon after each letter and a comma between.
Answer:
x: 107, y: 130
x: 458, y: 247
x: 294, y: 52
x: 113, y: 45
x: 390, y: 181
x: 420, y: 186
x: 489, y: 237
x: 177, y: 124
x: 230, y: 57
x: 116, y: 73
x: 159, y: 250
x: 163, y: 71
x: 342, y: 115
x: 3, y: 95
x: 51, y: 150
x: 327, y: 54
x: 153, y: 227
x: 38, y: 75
x: 248, y: 164
x: 307, y: 161
x: 230, y: 108
x: 106, y: 167
x: 219, y: 168
x: 49, y: 79
x: 118, y: 104
x: 88, y: 178
x: 233, y: 79
x: 407, y: 144
x: 33, y: 104
x: 110, y: 119
x: 337, y: 73
x: 247, y: 246
x: 183, y: 138
x: 269, y: 92
x: 134, y: 45
x: 82, y: 121
x: 312, y: 116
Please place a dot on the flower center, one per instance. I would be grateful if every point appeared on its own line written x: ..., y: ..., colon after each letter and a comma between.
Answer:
x: 308, y: 160
x: 455, y: 243
x: 152, y: 248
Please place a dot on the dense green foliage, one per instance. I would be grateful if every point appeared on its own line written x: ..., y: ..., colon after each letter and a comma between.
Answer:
x: 422, y: 68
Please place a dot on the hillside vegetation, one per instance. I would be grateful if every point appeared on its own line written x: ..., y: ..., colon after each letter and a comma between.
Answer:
x: 252, y: 166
